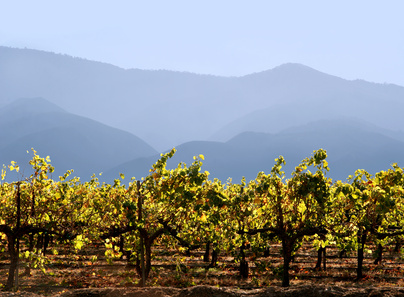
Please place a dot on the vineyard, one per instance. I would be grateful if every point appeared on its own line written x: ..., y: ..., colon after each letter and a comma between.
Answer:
x: 176, y: 227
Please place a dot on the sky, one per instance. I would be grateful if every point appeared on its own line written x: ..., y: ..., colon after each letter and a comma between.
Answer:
x: 352, y: 39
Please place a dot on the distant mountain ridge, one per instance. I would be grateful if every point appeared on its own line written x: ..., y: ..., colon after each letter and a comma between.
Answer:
x: 167, y: 108
x: 134, y: 100
x: 241, y: 124
x: 72, y: 142
x: 350, y: 145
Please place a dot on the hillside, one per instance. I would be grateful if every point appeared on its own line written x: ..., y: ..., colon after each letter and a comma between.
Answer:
x: 167, y: 108
x: 72, y: 142
x: 350, y: 145
x: 153, y: 105
x: 303, y: 95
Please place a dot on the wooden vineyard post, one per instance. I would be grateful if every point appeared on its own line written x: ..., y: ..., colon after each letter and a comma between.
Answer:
x: 14, y: 247
x: 18, y: 229
x: 18, y: 239
x: 139, y: 207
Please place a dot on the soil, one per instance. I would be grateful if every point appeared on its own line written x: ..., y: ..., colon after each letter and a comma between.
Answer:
x: 209, y: 291
x: 178, y: 275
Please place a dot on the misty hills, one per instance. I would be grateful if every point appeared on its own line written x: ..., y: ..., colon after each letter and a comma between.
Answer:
x: 167, y: 108
x: 162, y: 107
x: 304, y: 95
x: 240, y: 124
x: 350, y: 145
x: 72, y: 142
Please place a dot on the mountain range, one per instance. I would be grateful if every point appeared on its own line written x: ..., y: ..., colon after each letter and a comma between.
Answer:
x: 72, y: 142
x: 95, y: 117
x: 167, y: 108
x: 350, y: 145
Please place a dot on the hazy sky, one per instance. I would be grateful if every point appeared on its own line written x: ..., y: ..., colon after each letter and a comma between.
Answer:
x: 348, y: 38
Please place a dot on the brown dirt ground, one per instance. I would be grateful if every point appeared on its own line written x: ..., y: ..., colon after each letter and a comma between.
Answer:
x: 209, y: 291
x: 174, y: 274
